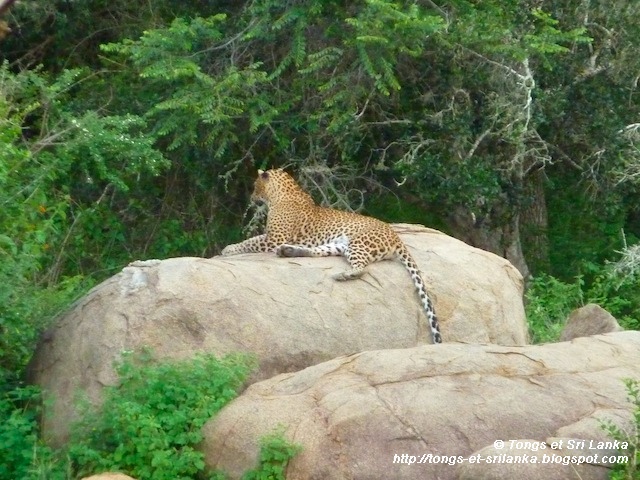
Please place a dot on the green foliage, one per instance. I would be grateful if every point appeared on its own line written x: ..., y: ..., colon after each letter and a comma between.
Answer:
x: 548, y: 304
x: 613, y: 286
x: 139, y: 136
x: 616, y: 291
x: 63, y: 173
x: 275, y: 453
x: 393, y: 209
x: 514, y: 33
x: 23, y: 455
x: 385, y: 31
x: 25, y: 312
x: 198, y: 103
x: 30, y: 216
x: 549, y: 39
x: 590, y: 237
x: 149, y: 425
x: 59, y: 35
x: 56, y: 167
x: 631, y: 469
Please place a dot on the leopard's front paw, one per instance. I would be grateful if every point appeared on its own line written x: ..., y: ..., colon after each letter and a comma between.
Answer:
x: 340, y: 277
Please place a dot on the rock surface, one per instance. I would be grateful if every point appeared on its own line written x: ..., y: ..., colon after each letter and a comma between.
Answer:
x: 358, y: 416
x: 538, y: 462
x: 589, y: 320
x: 289, y: 312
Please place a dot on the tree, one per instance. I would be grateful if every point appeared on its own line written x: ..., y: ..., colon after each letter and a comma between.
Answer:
x: 461, y: 107
x: 269, y: 86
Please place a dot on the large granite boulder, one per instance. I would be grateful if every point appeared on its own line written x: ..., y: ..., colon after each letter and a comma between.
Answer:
x: 423, y: 412
x: 288, y: 312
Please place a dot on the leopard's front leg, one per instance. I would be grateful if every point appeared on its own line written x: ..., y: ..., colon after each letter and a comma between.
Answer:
x: 255, y: 244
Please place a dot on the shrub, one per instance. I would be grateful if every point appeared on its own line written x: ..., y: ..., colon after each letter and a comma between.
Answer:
x: 150, y: 423
x: 631, y: 469
x: 613, y: 286
x: 23, y: 455
x: 275, y: 453
x: 548, y: 303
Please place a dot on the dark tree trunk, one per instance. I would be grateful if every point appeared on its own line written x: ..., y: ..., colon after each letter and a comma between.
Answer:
x: 534, y: 223
x: 492, y: 233
x: 497, y: 233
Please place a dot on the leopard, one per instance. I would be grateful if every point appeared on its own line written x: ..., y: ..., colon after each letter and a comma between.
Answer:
x: 298, y: 227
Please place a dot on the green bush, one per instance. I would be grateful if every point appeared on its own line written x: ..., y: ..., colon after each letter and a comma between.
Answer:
x: 613, y: 286
x: 23, y: 455
x: 631, y: 469
x: 275, y: 453
x: 148, y: 426
x: 548, y: 303
x: 25, y: 311
x: 150, y: 423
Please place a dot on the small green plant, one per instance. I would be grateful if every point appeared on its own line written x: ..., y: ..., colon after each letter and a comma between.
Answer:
x: 150, y: 423
x: 631, y: 469
x: 549, y: 302
x: 275, y: 453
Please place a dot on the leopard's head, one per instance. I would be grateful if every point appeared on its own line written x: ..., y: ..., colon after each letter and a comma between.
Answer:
x: 274, y: 185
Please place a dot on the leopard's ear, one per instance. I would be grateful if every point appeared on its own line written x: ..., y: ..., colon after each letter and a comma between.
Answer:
x: 262, y: 174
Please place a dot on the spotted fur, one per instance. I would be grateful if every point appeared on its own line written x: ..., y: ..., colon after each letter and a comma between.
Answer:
x: 297, y: 227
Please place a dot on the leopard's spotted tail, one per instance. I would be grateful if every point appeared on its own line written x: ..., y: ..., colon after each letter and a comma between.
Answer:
x: 412, y: 267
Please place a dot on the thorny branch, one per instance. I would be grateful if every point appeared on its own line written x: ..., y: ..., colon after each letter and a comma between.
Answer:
x: 630, y: 172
